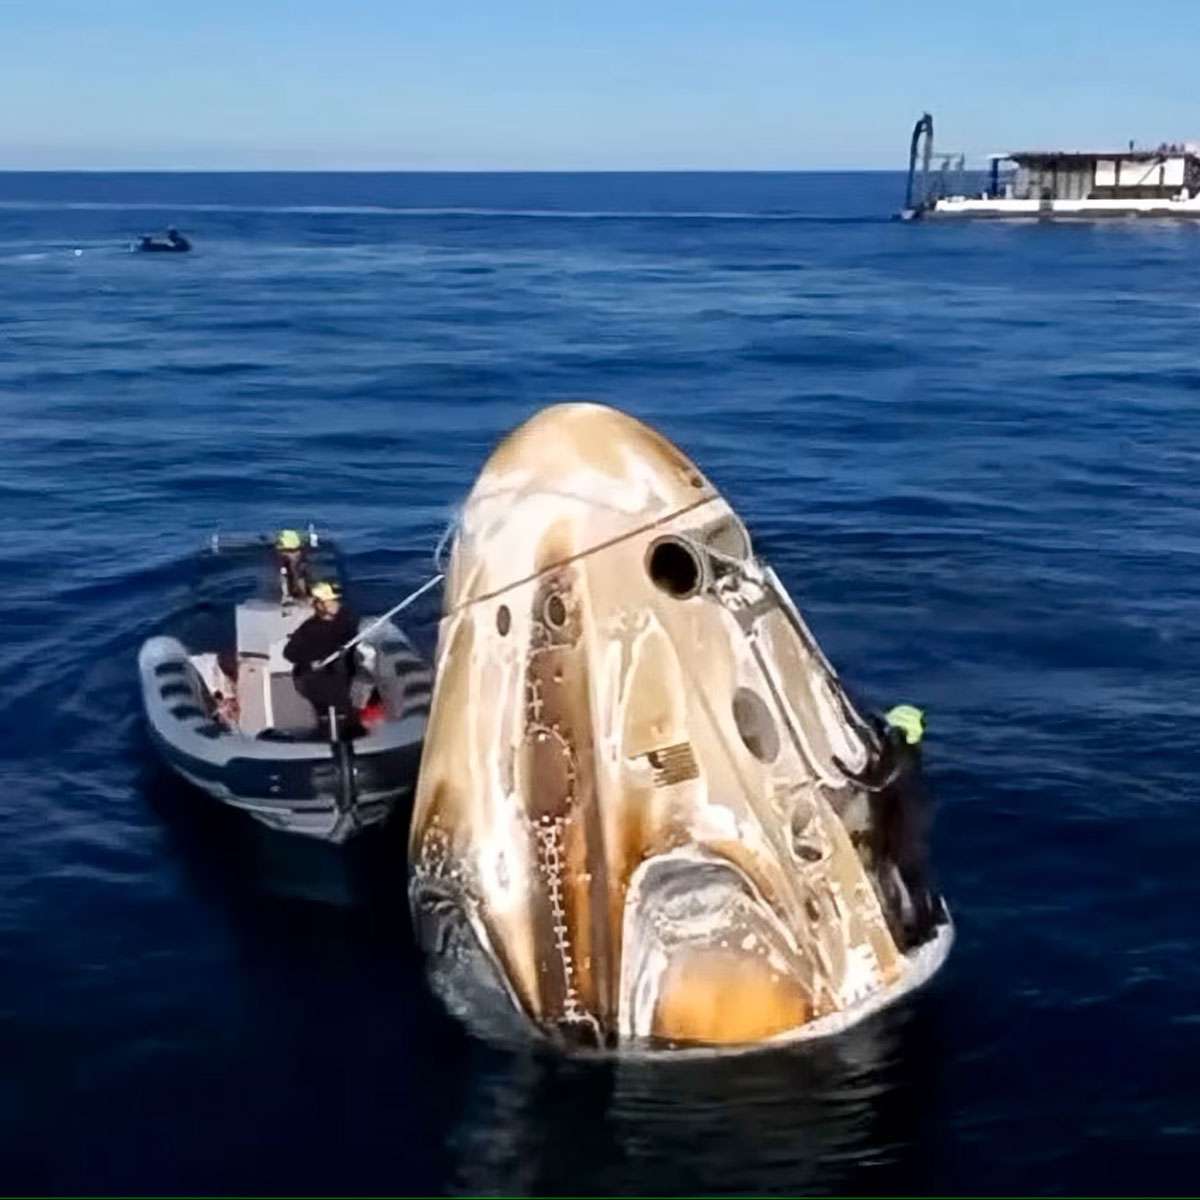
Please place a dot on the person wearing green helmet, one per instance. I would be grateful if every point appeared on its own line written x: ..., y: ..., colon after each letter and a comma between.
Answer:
x: 330, y: 627
x: 292, y: 565
x: 902, y: 819
x: 908, y: 720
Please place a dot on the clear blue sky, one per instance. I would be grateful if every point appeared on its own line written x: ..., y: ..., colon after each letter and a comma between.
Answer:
x: 603, y: 84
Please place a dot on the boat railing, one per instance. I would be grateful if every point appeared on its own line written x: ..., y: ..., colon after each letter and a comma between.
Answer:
x: 223, y: 541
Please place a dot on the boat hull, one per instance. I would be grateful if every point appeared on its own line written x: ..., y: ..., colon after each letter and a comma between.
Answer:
x: 288, y: 784
x: 1062, y: 210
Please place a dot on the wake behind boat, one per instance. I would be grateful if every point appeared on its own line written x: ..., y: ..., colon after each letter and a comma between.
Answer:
x: 226, y: 713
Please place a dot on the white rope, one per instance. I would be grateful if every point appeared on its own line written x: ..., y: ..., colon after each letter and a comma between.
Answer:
x: 700, y: 549
x: 452, y: 527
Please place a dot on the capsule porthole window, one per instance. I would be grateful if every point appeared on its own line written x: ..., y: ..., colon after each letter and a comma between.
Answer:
x: 674, y: 567
x: 555, y: 611
x: 755, y: 725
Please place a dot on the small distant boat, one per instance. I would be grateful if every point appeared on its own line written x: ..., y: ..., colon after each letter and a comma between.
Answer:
x: 224, y: 713
x: 173, y: 243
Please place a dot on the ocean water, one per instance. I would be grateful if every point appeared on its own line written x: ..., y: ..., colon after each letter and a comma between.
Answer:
x: 971, y: 451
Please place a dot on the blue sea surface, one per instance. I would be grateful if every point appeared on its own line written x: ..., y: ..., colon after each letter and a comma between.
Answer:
x: 972, y: 452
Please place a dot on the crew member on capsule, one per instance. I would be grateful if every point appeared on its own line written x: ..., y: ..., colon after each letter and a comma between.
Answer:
x: 902, y: 821
x: 325, y: 686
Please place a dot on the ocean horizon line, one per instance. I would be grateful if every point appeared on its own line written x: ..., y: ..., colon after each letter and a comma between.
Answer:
x: 451, y: 171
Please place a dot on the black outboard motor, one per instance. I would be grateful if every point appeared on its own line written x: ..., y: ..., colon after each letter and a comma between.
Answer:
x: 342, y: 748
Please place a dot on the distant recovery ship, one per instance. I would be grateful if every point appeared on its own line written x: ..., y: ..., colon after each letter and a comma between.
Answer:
x: 1054, y: 184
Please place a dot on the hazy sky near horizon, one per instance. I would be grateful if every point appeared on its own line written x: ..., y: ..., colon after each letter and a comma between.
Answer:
x: 542, y: 85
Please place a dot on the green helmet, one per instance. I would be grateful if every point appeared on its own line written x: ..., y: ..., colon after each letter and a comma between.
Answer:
x: 288, y: 539
x: 909, y: 719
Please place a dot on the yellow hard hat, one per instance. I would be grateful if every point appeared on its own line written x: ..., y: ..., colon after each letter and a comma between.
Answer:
x: 324, y: 591
x: 288, y: 539
x: 909, y: 719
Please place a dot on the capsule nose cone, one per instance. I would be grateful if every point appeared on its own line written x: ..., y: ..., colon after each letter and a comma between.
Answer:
x: 580, y: 475
x: 596, y: 453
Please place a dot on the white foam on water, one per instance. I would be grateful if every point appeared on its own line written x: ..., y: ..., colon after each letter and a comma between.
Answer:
x: 553, y: 214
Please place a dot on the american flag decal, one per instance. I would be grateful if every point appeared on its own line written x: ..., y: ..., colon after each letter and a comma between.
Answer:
x: 672, y: 764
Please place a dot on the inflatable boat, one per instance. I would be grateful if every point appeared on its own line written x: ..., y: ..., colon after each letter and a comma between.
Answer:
x: 224, y: 712
x: 173, y: 243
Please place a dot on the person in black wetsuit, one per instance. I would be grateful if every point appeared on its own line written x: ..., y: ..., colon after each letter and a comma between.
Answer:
x: 177, y: 240
x: 902, y: 817
x: 329, y: 628
x: 292, y: 564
